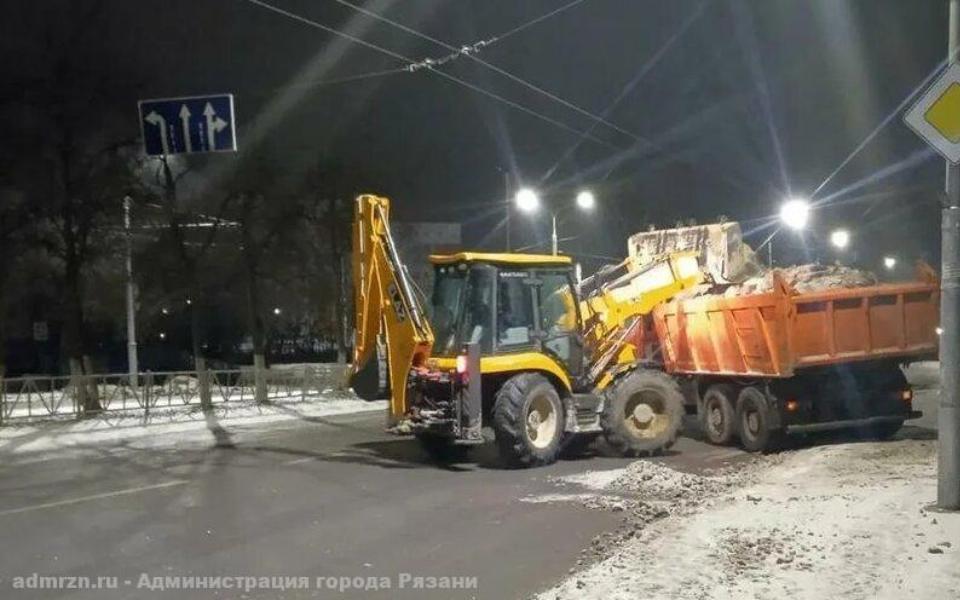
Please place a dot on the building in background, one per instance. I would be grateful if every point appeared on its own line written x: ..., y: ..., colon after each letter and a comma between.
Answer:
x: 417, y: 240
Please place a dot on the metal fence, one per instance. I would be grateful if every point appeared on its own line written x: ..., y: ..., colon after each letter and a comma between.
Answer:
x: 46, y: 397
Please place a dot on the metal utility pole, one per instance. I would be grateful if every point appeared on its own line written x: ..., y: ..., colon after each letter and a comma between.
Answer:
x: 506, y: 197
x: 132, y: 366
x: 554, y: 245
x: 948, y: 463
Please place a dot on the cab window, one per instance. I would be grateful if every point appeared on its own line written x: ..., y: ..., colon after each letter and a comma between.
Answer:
x: 515, y: 323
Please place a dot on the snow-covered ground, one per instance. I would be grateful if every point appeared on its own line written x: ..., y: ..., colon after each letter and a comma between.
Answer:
x: 842, y: 520
x: 169, y: 428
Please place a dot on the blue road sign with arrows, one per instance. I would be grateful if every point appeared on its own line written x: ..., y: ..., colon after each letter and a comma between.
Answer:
x: 188, y: 125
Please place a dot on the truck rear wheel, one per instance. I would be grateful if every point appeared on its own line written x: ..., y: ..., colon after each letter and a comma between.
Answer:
x: 643, y: 413
x: 753, y: 422
x: 717, y: 415
x: 528, y: 421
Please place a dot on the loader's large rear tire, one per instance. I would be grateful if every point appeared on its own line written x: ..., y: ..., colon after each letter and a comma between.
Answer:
x: 718, y: 415
x: 643, y: 413
x: 528, y: 421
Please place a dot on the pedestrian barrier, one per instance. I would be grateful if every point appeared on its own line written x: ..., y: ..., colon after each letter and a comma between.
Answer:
x: 50, y: 397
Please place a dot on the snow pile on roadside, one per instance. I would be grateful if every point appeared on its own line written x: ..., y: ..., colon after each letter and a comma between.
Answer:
x: 173, y: 427
x: 846, y: 521
x: 645, y: 492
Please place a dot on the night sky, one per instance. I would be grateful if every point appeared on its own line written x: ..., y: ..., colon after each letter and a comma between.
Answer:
x: 726, y: 106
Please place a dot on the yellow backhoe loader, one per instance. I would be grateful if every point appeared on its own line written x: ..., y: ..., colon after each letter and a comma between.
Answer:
x: 512, y: 341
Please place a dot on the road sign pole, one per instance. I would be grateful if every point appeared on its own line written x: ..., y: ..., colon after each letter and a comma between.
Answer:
x: 132, y: 366
x: 948, y: 463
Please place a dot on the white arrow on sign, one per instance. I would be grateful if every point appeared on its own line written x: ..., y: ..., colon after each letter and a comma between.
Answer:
x: 185, y: 124
x: 214, y: 126
x: 155, y: 119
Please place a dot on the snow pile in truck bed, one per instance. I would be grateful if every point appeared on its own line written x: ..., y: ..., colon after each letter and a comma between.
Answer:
x: 804, y: 279
x: 807, y: 278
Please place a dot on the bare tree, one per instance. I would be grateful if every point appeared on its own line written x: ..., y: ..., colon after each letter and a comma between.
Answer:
x: 14, y: 220
x: 65, y: 102
x: 262, y: 213
x: 330, y: 189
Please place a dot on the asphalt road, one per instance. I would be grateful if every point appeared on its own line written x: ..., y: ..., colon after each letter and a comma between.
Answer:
x: 320, y: 497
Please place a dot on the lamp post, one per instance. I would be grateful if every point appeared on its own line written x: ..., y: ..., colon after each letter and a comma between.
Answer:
x: 528, y: 201
x: 795, y: 215
x: 132, y: 366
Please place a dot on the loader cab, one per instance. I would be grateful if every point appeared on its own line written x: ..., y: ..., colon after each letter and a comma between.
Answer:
x: 506, y: 303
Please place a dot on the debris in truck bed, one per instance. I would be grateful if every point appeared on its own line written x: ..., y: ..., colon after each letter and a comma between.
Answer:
x: 804, y: 279
x: 807, y: 278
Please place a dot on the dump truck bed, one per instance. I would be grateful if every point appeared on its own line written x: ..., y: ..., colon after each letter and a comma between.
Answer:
x: 773, y: 334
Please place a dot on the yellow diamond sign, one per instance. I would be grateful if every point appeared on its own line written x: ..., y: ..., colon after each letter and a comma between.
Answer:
x: 944, y: 113
x: 936, y: 115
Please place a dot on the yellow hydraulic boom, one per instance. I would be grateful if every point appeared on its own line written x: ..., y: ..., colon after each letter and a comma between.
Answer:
x: 385, y: 303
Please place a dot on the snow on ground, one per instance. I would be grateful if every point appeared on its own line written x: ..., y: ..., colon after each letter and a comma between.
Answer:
x: 837, y: 521
x: 847, y: 520
x: 175, y: 427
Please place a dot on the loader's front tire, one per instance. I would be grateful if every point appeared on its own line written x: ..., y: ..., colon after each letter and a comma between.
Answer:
x: 643, y: 413
x: 528, y: 421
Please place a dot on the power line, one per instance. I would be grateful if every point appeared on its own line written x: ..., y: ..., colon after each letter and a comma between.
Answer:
x: 410, y: 61
x: 494, y: 68
x: 596, y: 118
x: 630, y: 85
x: 533, y: 22
x: 477, y: 46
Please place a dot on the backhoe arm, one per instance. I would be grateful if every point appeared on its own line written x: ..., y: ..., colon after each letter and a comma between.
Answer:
x: 385, y: 303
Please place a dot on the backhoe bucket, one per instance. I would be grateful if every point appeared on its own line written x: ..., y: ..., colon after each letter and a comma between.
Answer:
x: 722, y: 253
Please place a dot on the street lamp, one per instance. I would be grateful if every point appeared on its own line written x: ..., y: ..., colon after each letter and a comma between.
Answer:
x: 889, y: 262
x: 277, y: 310
x: 586, y: 200
x: 527, y: 200
x: 840, y: 239
x: 795, y: 213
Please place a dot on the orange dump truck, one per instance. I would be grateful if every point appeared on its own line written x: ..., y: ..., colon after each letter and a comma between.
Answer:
x: 765, y: 365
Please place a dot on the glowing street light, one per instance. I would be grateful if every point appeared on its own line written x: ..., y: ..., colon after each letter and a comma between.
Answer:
x: 586, y: 200
x: 840, y: 239
x: 795, y: 213
x: 527, y: 200
x: 277, y: 311
x: 889, y: 262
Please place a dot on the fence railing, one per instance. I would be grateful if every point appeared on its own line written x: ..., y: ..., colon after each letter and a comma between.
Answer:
x: 46, y: 397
